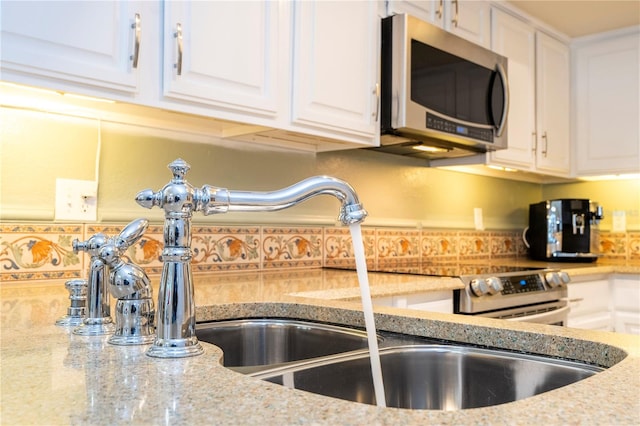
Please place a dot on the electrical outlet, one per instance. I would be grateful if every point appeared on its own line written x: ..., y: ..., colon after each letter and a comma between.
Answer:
x: 76, y: 200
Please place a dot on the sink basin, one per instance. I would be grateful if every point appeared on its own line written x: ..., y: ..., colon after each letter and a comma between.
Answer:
x: 260, y: 342
x: 437, y: 377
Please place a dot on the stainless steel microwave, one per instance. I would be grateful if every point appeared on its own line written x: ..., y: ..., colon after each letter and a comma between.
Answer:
x: 441, y: 96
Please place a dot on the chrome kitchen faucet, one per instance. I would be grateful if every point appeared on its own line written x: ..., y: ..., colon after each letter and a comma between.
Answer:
x: 175, y: 316
x: 127, y: 282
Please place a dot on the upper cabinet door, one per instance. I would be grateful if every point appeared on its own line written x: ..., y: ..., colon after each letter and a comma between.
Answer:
x: 224, y: 54
x: 86, y: 42
x: 607, y: 104
x: 427, y: 10
x: 335, y: 66
x: 469, y: 19
x: 516, y: 40
x: 552, y: 93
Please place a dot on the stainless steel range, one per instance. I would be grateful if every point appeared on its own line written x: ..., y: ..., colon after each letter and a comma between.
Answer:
x: 530, y: 296
x: 515, y: 292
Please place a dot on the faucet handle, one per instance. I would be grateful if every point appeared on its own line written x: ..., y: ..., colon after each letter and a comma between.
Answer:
x: 92, y: 245
x: 147, y: 198
x: 131, y: 233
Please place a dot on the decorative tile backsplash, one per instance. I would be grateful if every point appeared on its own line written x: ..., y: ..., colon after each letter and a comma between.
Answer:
x: 39, y: 252
x: 42, y: 252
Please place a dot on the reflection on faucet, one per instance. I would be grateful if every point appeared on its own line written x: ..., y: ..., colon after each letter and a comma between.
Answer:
x: 175, y: 318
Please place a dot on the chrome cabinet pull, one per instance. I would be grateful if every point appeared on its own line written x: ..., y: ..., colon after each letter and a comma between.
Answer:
x: 376, y: 92
x: 546, y: 143
x: 439, y: 11
x: 454, y: 21
x: 136, y: 27
x: 178, y: 36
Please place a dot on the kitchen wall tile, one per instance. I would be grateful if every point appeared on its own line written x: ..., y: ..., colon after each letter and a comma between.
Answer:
x: 39, y: 252
x: 297, y: 247
x: 474, y: 245
x: 218, y: 248
x: 439, y: 245
x: 338, y: 247
x: 503, y: 245
x: 397, y: 245
x: 633, y: 245
x: 613, y: 245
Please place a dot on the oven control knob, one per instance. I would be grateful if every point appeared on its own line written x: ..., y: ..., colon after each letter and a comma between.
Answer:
x: 479, y: 287
x: 553, y: 279
x: 565, y: 278
x: 494, y: 284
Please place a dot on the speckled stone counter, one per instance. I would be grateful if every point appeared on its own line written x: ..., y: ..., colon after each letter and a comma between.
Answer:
x: 50, y: 376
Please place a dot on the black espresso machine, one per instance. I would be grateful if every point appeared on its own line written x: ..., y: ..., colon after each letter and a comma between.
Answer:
x: 564, y: 230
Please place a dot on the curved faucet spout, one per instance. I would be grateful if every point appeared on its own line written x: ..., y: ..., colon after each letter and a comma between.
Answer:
x: 220, y: 200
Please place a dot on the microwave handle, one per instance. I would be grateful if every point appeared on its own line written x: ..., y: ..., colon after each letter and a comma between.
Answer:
x: 505, y: 110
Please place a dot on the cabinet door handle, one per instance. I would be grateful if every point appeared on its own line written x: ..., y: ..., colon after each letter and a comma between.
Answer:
x: 136, y: 27
x: 454, y: 21
x: 376, y: 92
x: 439, y: 11
x: 534, y: 145
x: 546, y: 143
x: 178, y: 36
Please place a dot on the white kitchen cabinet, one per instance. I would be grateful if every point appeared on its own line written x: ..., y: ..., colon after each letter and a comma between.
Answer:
x: 553, y: 152
x: 626, y: 303
x: 469, y: 19
x: 229, y: 61
x: 515, y: 39
x: 433, y: 301
x: 591, y: 304
x: 224, y: 54
x: 607, y: 103
x: 86, y: 44
x: 538, y: 72
x: 306, y: 66
x: 335, y: 67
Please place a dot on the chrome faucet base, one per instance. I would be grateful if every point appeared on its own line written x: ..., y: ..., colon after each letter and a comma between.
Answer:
x: 175, y: 348
x: 176, y: 339
x: 95, y: 327
x: 131, y: 340
x: 69, y: 321
x: 134, y: 322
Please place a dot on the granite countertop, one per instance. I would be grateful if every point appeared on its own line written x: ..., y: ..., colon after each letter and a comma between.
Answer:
x: 50, y: 376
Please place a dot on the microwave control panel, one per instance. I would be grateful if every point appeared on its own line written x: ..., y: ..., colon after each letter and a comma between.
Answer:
x: 438, y: 123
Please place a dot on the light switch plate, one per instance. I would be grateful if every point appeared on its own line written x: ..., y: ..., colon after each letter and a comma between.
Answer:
x: 76, y: 200
x: 619, y: 221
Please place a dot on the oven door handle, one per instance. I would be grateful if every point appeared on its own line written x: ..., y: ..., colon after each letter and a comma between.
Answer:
x: 542, y: 316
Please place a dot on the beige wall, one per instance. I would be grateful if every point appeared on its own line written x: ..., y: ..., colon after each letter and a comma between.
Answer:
x: 37, y: 148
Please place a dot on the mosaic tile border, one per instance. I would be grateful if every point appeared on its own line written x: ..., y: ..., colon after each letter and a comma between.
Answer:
x: 31, y: 252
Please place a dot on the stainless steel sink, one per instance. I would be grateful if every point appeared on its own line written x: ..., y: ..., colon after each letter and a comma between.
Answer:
x: 436, y: 377
x: 260, y: 342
